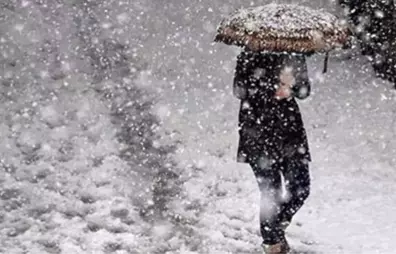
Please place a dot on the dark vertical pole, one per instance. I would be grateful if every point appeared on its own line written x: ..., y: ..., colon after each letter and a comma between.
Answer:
x: 326, y: 62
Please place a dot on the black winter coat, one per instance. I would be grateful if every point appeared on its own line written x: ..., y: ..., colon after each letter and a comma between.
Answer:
x: 270, y: 129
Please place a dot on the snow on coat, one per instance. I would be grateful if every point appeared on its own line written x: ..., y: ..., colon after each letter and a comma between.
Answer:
x: 270, y: 129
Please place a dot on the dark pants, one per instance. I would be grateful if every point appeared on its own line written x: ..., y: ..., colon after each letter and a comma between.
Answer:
x: 279, y: 206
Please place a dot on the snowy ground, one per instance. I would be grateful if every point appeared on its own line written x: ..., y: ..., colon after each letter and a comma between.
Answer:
x: 67, y: 186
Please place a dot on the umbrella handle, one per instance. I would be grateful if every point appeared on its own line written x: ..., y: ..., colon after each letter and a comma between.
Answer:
x: 326, y: 62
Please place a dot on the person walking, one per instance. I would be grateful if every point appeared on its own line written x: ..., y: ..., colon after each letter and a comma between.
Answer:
x: 272, y: 137
x: 271, y: 72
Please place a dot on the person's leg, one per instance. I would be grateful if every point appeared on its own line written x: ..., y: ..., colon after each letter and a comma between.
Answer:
x: 269, y: 181
x: 297, y: 183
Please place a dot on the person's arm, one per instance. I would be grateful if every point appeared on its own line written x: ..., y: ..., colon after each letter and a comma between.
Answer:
x: 302, y: 87
x: 241, y: 76
x: 294, y: 80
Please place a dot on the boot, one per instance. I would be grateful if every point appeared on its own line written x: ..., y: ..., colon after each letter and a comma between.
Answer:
x: 278, y: 248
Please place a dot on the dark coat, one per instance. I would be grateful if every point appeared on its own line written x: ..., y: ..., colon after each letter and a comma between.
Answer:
x: 270, y: 129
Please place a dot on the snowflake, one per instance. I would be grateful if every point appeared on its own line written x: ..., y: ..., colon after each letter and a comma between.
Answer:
x: 122, y: 18
x: 19, y: 27
x: 25, y: 3
x: 379, y: 14
x: 106, y: 25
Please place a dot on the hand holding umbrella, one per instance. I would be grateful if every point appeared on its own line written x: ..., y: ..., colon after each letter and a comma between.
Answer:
x: 287, y: 81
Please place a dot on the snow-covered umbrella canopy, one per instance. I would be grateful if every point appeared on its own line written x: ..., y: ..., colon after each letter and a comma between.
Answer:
x: 283, y: 27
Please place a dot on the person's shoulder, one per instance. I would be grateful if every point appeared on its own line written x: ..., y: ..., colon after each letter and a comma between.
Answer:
x: 244, y: 54
x: 249, y: 56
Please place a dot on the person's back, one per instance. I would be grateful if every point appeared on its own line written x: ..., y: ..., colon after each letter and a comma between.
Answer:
x: 272, y: 136
x: 257, y: 79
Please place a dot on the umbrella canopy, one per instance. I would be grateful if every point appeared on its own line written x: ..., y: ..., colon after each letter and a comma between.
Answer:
x: 283, y: 27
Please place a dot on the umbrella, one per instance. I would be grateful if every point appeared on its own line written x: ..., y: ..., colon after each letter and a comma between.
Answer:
x: 283, y: 27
